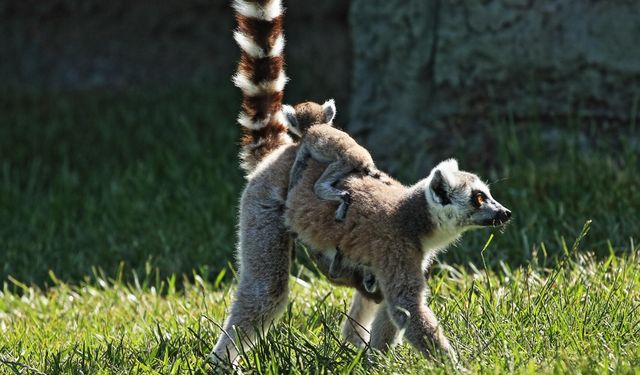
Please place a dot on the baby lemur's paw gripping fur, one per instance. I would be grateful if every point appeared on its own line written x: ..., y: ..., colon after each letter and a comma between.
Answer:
x: 341, y: 211
x: 369, y: 282
x: 375, y: 173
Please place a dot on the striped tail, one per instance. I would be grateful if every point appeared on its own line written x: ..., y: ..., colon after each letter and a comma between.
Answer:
x: 261, y: 78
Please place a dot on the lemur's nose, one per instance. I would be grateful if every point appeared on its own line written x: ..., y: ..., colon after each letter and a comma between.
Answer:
x: 505, y: 215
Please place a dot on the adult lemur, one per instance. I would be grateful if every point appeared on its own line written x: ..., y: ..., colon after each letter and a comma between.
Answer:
x: 394, y: 230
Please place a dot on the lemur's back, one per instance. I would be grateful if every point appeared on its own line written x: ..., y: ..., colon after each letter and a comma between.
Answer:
x: 375, y: 202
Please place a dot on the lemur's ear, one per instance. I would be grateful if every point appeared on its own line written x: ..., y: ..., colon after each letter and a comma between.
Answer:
x: 290, y: 115
x: 329, y: 109
x: 442, y: 181
x: 449, y: 165
x: 440, y: 188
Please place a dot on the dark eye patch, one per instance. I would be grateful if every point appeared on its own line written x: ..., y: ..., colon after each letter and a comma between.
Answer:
x: 478, y: 198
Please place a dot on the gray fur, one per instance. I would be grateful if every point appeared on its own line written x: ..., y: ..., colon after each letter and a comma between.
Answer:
x: 393, y: 230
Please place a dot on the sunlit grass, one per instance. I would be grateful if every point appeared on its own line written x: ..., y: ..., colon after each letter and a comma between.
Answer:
x: 580, y: 316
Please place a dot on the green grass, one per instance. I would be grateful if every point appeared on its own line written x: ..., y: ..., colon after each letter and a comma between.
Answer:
x: 95, y: 179
x: 117, y: 221
x: 581, y: 316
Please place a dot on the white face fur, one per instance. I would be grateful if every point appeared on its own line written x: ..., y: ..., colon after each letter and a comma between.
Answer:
x: 459, y: 200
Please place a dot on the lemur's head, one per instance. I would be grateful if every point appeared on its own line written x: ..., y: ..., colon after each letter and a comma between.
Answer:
x: 459, y: 199
x: 303, y: 115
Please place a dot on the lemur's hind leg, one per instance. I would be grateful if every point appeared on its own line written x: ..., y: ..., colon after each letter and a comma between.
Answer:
x: 302, y: 157
x: 264, y: 248
x: 358, y: 324
x: 324, y: 188
x: 384, y: 334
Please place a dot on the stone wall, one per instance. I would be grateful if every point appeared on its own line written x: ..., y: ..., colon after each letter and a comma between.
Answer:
x: 422, y: 65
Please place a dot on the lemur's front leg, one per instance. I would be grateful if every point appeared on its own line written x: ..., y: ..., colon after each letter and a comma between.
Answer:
x: 404, y: 291
x: 302, y: 157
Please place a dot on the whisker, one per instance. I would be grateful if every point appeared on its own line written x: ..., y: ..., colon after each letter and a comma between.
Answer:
x: 498, y: 180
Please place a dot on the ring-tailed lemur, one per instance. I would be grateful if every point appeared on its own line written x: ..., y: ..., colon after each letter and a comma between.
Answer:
x: 395, y: 230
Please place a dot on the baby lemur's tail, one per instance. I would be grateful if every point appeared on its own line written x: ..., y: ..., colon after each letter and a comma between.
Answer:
x: 261, y: 78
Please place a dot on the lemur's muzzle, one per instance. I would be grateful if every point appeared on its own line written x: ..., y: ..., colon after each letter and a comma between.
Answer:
x: 492, y: 214
x: 503, y: 216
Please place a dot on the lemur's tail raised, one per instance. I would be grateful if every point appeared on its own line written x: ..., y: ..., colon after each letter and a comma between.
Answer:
x: 261, y: 78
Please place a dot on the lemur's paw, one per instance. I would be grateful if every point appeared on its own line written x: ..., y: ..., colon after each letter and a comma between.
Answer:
x: 346, y: 198
x: 221, y: 366
x: 372, y: 171
x: 370, y: 283
x: 379, y: 175
x: 341, y: 212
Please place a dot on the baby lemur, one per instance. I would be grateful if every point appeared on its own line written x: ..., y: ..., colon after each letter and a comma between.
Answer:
x: 322, y: 142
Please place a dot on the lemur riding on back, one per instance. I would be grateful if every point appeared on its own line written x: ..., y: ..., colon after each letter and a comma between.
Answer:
x: 322, y: 142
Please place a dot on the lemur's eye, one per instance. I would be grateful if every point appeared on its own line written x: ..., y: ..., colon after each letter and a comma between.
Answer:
x: 478, y: 198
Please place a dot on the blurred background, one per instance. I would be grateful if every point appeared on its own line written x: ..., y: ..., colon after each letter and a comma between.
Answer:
x: 118, y: 141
